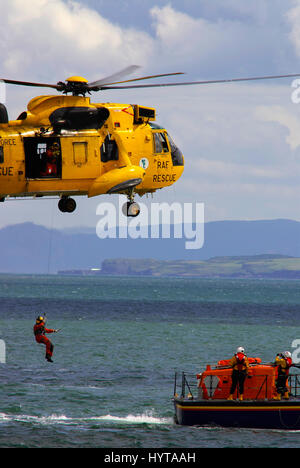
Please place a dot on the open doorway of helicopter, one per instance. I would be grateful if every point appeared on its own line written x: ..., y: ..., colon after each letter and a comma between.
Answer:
x: 42, y: 158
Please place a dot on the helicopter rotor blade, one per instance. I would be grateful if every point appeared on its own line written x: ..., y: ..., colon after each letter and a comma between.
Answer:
x: 104, y: 84
x: 28, y: 83
x: 97, y: 87
x: 187, y: 83
x: 115, y: 76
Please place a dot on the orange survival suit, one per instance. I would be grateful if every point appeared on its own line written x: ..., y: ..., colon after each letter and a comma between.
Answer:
x: 39, y: 331
x: 240, y: 366
x: 283, y: 362
x: 52, y: 157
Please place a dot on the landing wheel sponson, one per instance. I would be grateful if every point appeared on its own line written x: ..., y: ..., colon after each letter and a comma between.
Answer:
x: 131, y: 209
x: 67, y: 205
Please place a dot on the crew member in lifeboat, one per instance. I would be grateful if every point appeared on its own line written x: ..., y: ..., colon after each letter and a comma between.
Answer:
x: 283, y: 362
x: 240, y: 366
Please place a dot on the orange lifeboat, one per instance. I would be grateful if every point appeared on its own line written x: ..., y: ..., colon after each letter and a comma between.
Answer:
x: 257, y: 409
x: 259, y: 385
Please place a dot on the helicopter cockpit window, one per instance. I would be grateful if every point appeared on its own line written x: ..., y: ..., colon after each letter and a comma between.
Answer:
x: 176, y: 154
x: 160, y: 143
x: 109, y: 150
x: 1, y: 155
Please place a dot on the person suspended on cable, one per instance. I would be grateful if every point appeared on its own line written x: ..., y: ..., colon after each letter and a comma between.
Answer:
x: 283, y: 362
x: 39, y: 331
x: 240, y: 366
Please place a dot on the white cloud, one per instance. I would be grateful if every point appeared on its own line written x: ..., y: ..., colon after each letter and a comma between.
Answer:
x: 53, y: 38
x: 220, y: 170
x: 293, y: 17
x: 285, y: 118
x: 181, y: 36
x: 243, y: 42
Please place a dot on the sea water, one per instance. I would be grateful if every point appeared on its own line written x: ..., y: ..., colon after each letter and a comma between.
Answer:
x: 120, y: 343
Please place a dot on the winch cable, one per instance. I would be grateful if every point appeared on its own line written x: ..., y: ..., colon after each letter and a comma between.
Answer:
x: 50, y: 239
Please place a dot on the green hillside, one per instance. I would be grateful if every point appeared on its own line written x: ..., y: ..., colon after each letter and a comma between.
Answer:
x: 258, y: 266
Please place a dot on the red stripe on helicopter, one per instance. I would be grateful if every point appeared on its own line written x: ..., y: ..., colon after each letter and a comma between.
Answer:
x: 126, y: 112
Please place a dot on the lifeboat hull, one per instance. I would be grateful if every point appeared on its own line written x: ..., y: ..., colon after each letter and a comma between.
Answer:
x: 248, y: 414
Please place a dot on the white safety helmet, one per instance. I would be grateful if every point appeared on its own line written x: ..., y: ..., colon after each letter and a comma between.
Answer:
x: 240, y: 349
x: 287, y: 354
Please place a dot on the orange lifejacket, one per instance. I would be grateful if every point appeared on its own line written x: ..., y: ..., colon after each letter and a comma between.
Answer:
x: 284, y: 369
x: 239, y: 362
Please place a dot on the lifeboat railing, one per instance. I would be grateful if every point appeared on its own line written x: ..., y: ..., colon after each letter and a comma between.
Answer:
x: 294, y: 384
x: 186, y: 386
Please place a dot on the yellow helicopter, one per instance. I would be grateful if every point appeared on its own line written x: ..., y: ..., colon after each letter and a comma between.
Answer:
x: 65, y: 145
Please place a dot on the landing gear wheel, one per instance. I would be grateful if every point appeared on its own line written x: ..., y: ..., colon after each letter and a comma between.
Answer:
x: 70, y: 205
x: 61, y: 205
x: 131, y: 209
x: 67, y: 205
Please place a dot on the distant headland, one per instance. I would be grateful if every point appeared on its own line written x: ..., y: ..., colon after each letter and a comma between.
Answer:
x: 256, y: 266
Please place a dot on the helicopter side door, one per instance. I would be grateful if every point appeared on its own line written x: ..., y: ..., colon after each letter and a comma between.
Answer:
x: 81, y: 156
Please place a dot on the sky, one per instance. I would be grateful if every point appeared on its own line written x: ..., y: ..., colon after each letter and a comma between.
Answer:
x: 241, y: 141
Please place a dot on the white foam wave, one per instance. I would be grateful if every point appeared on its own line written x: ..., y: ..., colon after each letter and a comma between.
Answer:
x: 53, y: 418
x: 4, y: 417
x: 145, y: 418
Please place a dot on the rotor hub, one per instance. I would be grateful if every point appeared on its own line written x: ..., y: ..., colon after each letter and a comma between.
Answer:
x: 76, y: 85
x: 76, y: 79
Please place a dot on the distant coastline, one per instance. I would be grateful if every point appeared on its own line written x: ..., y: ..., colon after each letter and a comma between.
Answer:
x: 231, y: 249
x: 256, y: 266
